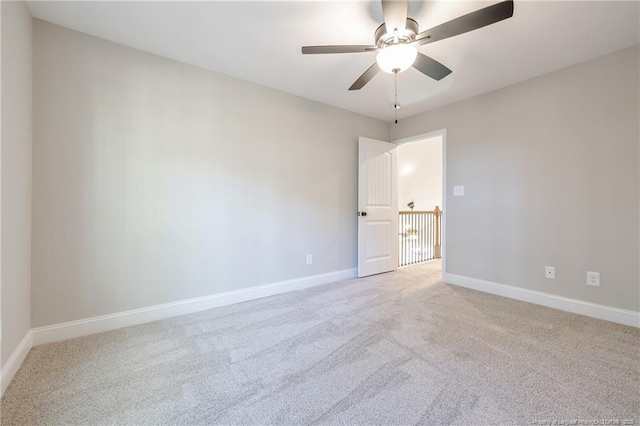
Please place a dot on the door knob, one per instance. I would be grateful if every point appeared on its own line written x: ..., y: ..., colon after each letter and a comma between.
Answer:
x: 362, y: 213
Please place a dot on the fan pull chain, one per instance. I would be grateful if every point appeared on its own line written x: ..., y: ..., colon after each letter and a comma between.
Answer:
x: 395, y: 84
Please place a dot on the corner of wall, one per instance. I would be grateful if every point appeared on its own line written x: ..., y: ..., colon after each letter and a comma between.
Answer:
x: 16, y: 147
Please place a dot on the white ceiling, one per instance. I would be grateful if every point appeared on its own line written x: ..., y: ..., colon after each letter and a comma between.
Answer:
x: 260, y: 42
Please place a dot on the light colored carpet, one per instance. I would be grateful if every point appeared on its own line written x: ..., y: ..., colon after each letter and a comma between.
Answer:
x: 399, y: 348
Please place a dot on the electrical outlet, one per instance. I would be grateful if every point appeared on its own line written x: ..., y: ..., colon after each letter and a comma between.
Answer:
x: 309, y: 259
x: 593, y: 278
x: 458, y: 191
x: 550, y: 272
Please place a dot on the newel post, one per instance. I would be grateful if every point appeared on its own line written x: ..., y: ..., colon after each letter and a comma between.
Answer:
x: 438, y: 214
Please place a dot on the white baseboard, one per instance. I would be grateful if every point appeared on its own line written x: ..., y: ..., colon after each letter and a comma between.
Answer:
x: 14, y: 362
x: 621, y: 316
x: 84, y: 327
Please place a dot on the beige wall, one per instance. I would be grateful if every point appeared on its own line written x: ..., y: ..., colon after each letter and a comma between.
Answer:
x: 16, y: 175
x: 550, y: 169
x: 156, y: 181
x: 420, y: 174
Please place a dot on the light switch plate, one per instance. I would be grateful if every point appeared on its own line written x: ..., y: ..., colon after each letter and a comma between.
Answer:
x: 458, y: 191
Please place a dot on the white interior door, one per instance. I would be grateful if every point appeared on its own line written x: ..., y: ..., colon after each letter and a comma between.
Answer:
x: 377, y: 207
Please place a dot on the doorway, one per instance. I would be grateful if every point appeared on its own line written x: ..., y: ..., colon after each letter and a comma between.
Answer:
x: 421, y: 198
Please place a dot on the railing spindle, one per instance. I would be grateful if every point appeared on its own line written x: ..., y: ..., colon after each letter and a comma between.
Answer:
x: 438, y: 215
x: 413, y: 238
x: 423, y: 235
x: 404, y: 236
x: 428, y: 235
x: 431, y: 237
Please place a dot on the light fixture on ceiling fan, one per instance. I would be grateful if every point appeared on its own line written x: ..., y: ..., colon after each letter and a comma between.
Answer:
x: 397, y: 40
x: 396, y: 57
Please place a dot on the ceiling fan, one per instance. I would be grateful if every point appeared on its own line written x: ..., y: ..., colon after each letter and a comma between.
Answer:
x: 396, y: 40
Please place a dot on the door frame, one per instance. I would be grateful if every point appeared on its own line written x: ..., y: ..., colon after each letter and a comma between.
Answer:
x: 443, y: 134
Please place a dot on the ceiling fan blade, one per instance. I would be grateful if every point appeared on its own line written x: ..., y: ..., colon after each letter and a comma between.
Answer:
x: 312, y: 50
x: 395, y: 14
x: 469, y: 22
x: 366, y: 77
x: 431, y: 67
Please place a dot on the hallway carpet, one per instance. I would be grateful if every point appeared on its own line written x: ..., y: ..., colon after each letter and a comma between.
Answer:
x: 398, y: 348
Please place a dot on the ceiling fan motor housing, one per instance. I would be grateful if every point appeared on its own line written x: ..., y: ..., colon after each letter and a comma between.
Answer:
x: 406, y: 35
